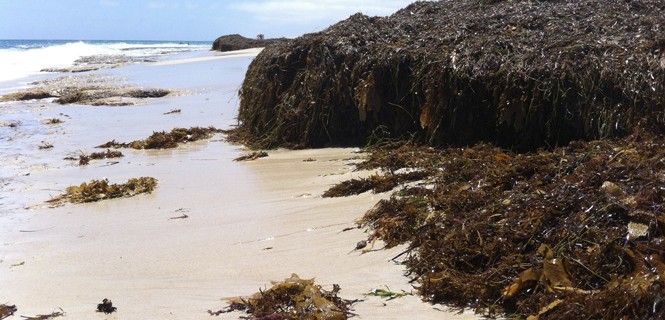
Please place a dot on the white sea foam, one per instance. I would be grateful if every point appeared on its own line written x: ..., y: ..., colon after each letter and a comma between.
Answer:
x: 23, y: 61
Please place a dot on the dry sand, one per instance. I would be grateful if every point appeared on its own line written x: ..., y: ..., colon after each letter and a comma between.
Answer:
x: 154, y: 267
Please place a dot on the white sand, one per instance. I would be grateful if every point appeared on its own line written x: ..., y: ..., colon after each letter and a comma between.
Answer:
x: 216, y: 56
x: 152, y: 267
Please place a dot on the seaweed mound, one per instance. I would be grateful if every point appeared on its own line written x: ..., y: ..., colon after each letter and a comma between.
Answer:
x: 576, y: 232
x: 519, y: 74
x: 234, y: 42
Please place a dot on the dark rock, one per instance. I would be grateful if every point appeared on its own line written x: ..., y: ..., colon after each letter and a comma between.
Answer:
x: 234, y: 42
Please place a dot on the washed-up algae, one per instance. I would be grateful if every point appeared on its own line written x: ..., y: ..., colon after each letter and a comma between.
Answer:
x: 84, y: 159
x: 7, y: 311
x: 518, y: 74
x: 376, y: 183
x: 97, y: 190
x: 293, y: 299
x: 575, y: 232
x: 252, y: 156
x: 52, y: 315
x: 166, y: 140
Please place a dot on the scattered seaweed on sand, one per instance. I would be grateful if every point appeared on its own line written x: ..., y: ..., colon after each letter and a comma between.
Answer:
x: 97, y: 190
x: 7, y: 311
x: 518, y: 74
x: 376, y: 183
x: 292, y: 299
x: 10, y: 124
x: 45, y: 145
x: 252, y: 156
x: 387, y: 294
x: 166, y: 140
x: 174, y: 111
x: 31, y: 94
x: 575, y: 232
x: 84, y: 159
x: 53, y: 121
x: 52, y: 315
x: 106, y: 307
x: 98, y: 96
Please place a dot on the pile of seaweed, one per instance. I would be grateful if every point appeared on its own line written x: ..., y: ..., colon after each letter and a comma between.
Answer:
x: 576, y: 232
x: 166, y: 140
x: 293, y: 299
x: 519, y: 74
x: 234, y: 42
x: 97, y: 190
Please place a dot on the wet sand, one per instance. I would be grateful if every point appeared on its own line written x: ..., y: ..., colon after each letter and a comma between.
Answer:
x: 155, y: 267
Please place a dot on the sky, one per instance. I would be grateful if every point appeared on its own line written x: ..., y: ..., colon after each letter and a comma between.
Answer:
x: 191, y: 20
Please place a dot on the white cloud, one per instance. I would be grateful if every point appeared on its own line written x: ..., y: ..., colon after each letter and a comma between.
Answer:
x: 305, y: 11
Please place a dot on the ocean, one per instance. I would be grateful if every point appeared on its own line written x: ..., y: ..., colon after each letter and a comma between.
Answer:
x: 23, y: 58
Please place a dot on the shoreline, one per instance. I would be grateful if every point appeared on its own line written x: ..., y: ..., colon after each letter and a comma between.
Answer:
x: 150, y: 266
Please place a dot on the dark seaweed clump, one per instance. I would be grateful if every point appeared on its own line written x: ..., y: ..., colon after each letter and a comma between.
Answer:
x: 7, y: 311
x: 293, y: 299
x: 84, y: 159
x: 575, y: 232
x: 518, y: 74
x: 166, y: 140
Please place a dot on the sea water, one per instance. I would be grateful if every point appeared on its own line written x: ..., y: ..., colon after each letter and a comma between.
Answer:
x: 23, y: 58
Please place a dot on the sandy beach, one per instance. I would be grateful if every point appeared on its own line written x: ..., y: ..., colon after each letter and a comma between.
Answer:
x: 248, y: 223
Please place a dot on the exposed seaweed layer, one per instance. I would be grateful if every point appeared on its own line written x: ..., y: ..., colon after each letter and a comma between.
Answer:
x: 97, y: 190
x: 572, y: 233
x: 252, y: 156
x: 166, y: 140
x: 234, y: 42
x: 27, y: 95
x: 519, y: 74
x: 376, y: 183
x: 89, y: 90
x: 293, y: 299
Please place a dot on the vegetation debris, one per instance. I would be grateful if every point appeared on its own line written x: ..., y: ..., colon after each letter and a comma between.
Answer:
x: 518, y: 74
x: 52, y: 315
x: 106, y: 307
x: 7, y: 311
x: 166, y: 140
x: 97, y: 190
x: 31, y: 94
x: 53, y: 121
x: 293, y: 299
x: 84, y: 159
x: 388, y: 294
x: 252, y: 156
x: 45, y: 145
x: 570, y: 233
x: 376, y: 183
x: 173, y: 111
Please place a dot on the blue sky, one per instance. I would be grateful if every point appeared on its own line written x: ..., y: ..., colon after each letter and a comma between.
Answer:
x: 176, y: 19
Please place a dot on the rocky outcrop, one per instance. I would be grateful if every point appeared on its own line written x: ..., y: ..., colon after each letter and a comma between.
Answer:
x: 520, y: 74
x: 234, y: 42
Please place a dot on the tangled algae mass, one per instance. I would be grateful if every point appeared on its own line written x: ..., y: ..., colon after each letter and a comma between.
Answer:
x: 543, y: 195
x: 519, y: 74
